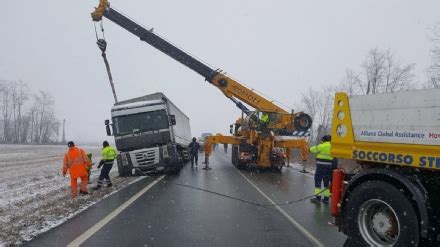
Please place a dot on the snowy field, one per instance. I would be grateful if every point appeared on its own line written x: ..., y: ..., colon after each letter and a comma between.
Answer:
x: 35, y: 197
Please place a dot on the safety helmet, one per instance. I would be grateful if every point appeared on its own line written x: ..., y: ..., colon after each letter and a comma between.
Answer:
x: 326, y: 138
x: 105, y: 144
x: 70, y: 144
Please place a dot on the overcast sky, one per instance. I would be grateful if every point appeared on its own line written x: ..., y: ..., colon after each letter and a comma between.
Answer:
x: 280, y: 48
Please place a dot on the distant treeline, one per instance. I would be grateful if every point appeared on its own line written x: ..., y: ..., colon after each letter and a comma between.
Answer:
x: 26, y: 117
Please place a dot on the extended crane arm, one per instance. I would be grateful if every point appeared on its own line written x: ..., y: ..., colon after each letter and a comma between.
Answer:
x: 230, y: 88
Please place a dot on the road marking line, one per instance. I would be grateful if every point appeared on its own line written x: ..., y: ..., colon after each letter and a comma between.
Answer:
x: 86, y: 235
x: 288, y: 217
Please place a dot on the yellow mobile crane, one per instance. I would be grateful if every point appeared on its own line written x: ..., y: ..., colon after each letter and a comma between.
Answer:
x: 253, y: 141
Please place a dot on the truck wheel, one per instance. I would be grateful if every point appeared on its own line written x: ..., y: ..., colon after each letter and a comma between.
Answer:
x: 182, y: 158
x: 234, y: 156
x: 240, y: 165
x: 277, y: 168
x: 123, y: 172
x: 179, y: 166
x: 379, y: 214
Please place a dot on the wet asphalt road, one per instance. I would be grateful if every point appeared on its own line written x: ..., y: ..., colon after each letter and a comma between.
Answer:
x: 172, y: 215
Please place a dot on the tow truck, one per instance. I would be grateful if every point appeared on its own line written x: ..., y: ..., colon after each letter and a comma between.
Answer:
x: 392, y: 200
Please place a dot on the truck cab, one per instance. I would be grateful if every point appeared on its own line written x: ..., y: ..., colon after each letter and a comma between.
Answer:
x: 150, y: 133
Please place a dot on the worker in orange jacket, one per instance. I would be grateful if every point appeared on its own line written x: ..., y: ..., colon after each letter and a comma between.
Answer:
x: 76, y: 162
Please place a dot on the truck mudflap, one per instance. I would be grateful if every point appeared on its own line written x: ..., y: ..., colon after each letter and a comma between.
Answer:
x: 336, y: 190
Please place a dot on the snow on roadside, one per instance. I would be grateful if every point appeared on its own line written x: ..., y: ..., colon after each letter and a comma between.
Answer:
x: 34, y: 197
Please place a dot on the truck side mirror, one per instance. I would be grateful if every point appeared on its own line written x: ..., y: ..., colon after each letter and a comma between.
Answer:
x: 230, y: 128
x: 107, y: 127
x: 172, y: 119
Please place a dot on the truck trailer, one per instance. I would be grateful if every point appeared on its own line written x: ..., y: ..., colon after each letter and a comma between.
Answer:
x: 151, y: 135
x: 392, y: 200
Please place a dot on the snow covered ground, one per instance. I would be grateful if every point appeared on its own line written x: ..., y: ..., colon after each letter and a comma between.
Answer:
x: 35, y: 197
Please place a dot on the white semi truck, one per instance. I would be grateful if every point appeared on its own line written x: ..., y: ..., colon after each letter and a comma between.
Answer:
x: 151, y: 134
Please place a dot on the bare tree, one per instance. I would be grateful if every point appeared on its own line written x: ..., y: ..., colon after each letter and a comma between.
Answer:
x: 32, y: 118
x: 5, y: 99
x: 373, y: 66
x: 25, y: 129
x: 433, y: 72
x: 22, y: 123
x: 352, y: 84
x: 382, y: 73
x: 44, y: 125
x: 319, y: 105
x: 398, y: 77
x: 19, y: 97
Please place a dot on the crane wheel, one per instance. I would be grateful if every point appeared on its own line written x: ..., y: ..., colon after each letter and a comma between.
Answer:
x: 302, y: 122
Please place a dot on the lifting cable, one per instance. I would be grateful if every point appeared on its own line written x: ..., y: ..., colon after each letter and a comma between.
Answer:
x: 102, y: 44
x: 241, y: 199
x: 244, y: 200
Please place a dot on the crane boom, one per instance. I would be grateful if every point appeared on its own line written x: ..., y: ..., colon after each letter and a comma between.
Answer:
x: 230, y: 88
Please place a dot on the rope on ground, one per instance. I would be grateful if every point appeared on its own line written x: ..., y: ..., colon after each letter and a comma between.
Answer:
x: 244, y: 200
x: 237, y: 198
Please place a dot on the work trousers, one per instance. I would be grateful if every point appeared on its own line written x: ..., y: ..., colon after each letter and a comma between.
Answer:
x: 322, y: 176
x: 105, y: 170
x: 194, y: 158
x: 74, y: 185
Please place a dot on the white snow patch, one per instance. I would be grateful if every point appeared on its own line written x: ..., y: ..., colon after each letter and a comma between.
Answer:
x: 35, y: 198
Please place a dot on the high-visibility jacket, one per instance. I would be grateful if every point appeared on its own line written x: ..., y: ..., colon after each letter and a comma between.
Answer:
x: 109, y: 153
x: 265, y: 118
x: 76, y: 162
x: 322, y: 151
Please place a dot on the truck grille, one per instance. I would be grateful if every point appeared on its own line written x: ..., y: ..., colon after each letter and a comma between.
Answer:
x: 145, y: 157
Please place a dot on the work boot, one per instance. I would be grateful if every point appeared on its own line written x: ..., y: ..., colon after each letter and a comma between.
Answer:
x: 325, y: 200
x: 315, y: 200
x: 109, y: 184
x: 83, y: 192
x: 97, y: 187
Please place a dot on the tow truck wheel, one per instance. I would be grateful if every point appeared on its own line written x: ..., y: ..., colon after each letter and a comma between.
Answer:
x: 379, y: 214
x: 277, y: 167
x: 123, y: 172
x: 234, y: 155
x: 240, y: 165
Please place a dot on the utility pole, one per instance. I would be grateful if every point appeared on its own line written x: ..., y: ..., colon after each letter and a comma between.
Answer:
x: 64, y: 131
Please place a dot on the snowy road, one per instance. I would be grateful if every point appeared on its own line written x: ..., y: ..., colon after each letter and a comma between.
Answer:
x: 171, y: 215
x: 34, y: 197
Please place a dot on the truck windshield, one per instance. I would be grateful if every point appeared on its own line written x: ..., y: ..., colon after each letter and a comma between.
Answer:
x: 141, y: 122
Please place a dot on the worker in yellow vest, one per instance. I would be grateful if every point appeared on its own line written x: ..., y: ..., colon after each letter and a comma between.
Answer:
x: 108, y: 156
x: 323, y: 169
